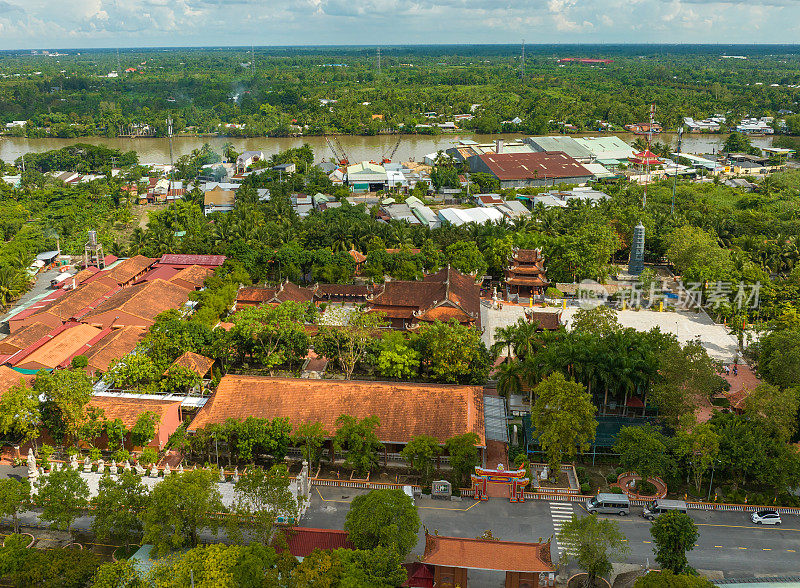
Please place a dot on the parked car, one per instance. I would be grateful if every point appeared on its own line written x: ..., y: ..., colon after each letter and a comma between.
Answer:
x: 617, y: 504
x: 660, y: 506
x: 766, y: 517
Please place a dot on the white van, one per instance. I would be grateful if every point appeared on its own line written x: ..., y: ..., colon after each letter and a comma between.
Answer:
x: 605, y: 503
x: 660, y: 506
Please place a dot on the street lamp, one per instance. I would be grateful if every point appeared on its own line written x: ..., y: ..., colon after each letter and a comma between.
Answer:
x: 711, y: 483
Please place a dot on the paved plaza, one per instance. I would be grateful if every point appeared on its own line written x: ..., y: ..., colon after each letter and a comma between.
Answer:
x: 687, y: 326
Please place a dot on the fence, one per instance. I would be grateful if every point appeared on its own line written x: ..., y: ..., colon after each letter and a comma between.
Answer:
x: 363, y: 485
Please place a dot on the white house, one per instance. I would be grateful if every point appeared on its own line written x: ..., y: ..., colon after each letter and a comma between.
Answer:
x: 247, y: 159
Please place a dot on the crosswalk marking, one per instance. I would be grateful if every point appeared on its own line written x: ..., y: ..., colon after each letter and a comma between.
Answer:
x: 561, y: 513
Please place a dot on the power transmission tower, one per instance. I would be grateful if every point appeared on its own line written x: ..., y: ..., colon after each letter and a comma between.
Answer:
x: 522, y: 72
x: 379, y: 61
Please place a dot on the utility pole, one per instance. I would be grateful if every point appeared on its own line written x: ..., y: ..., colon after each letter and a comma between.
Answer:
x: 171, y: 161
x: 646, y: 156
x: 675, y: 181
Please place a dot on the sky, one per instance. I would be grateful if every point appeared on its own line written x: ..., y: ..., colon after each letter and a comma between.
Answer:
x: 50, y: 24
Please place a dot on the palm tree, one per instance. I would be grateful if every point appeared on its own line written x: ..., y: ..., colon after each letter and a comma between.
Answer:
x: 12, y: 283
x: 510, y: 376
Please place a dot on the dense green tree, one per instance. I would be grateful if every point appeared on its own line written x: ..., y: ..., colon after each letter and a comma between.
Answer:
x: 310, y: 437
x: 179, y: 507
x: 643, y: 449
x: 463, y: 453
x: 453, y: 353
x: 563, y: 418
x: 360, y: 441
x: 667, y: 579
x: 594, y: 542
x: 117, y: 507
x: 421, y: 453
x: 63, y: 496
x: 20, y: 415
x: 260, y: 497
x: 386, y: 518
x: 15, y: 497
x: 66, y: 393
x: 674, y: 533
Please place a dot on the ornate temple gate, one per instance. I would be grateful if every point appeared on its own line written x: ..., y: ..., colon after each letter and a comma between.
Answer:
x: 515, y: 480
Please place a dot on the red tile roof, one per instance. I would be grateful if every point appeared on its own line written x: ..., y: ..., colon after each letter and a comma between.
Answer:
x: 199, y: 364
x: 128, y: 409
x: 116, y: 344
x: 9, y: 378
x: 56, y: 348
x: 138, y: 305
x: 301, y: 541
x: 405, y: 409
x: 181, y: 259
x: 483, y: 554
x: 525, y: 166
x: 192, y: 277
x: 124, y: 272
x: 23, y: 338
x: 286, y: 292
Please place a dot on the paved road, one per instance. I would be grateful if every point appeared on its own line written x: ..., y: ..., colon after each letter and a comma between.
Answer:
x: 728, y: 542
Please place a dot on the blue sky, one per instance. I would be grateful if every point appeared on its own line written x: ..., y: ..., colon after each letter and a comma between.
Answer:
x: 43, y: 24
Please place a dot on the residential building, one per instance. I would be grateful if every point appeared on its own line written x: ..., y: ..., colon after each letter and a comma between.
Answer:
x: 566, y: 145
x: 487, y: 200
x: 517, y: 170
x: 404, y: 410
x: 514, y: 209
x: 247, y: 159
x: 756, y: 126
x: 285, y: 168
x: 218, y: 200
x: 707, y: 125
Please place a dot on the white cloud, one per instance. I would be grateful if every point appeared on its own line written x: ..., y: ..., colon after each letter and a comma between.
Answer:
x: 86, y: 23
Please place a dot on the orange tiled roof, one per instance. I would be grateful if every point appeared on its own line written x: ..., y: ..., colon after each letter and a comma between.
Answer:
x: 199, y: 364
x: 483, y: 554
x: 62, y: 345
x: 138, y: 305
x: 405, y: 409
x: 118, y: 343
x: 194, y: 275
x: 127, y: 270
x: 9, y: 378
x: 128, y: 409
x: 23, y: 338
x: 75, y: 301
x: 286, y: 292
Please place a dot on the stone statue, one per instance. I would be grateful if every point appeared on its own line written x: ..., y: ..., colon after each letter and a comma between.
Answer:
x: 235, y: 474
x: 166, y: 470
x: 87, y: 464
x: 113, y: 469
x: 222, y: 477
x: 73, y: 462
x: 32, y: 471
x: 180, y: 468
x: 101, y: 466
x: 154, y: 471
x: 126, y: 466
x: 139, y: 469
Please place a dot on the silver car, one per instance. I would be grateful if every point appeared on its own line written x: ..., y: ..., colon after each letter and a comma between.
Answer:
x: 766, y: 517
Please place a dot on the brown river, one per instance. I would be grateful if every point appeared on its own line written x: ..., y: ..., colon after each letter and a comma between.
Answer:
x: 358, y: 148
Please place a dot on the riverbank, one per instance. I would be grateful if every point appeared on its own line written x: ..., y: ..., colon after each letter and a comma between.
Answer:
x: 357, y: 147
